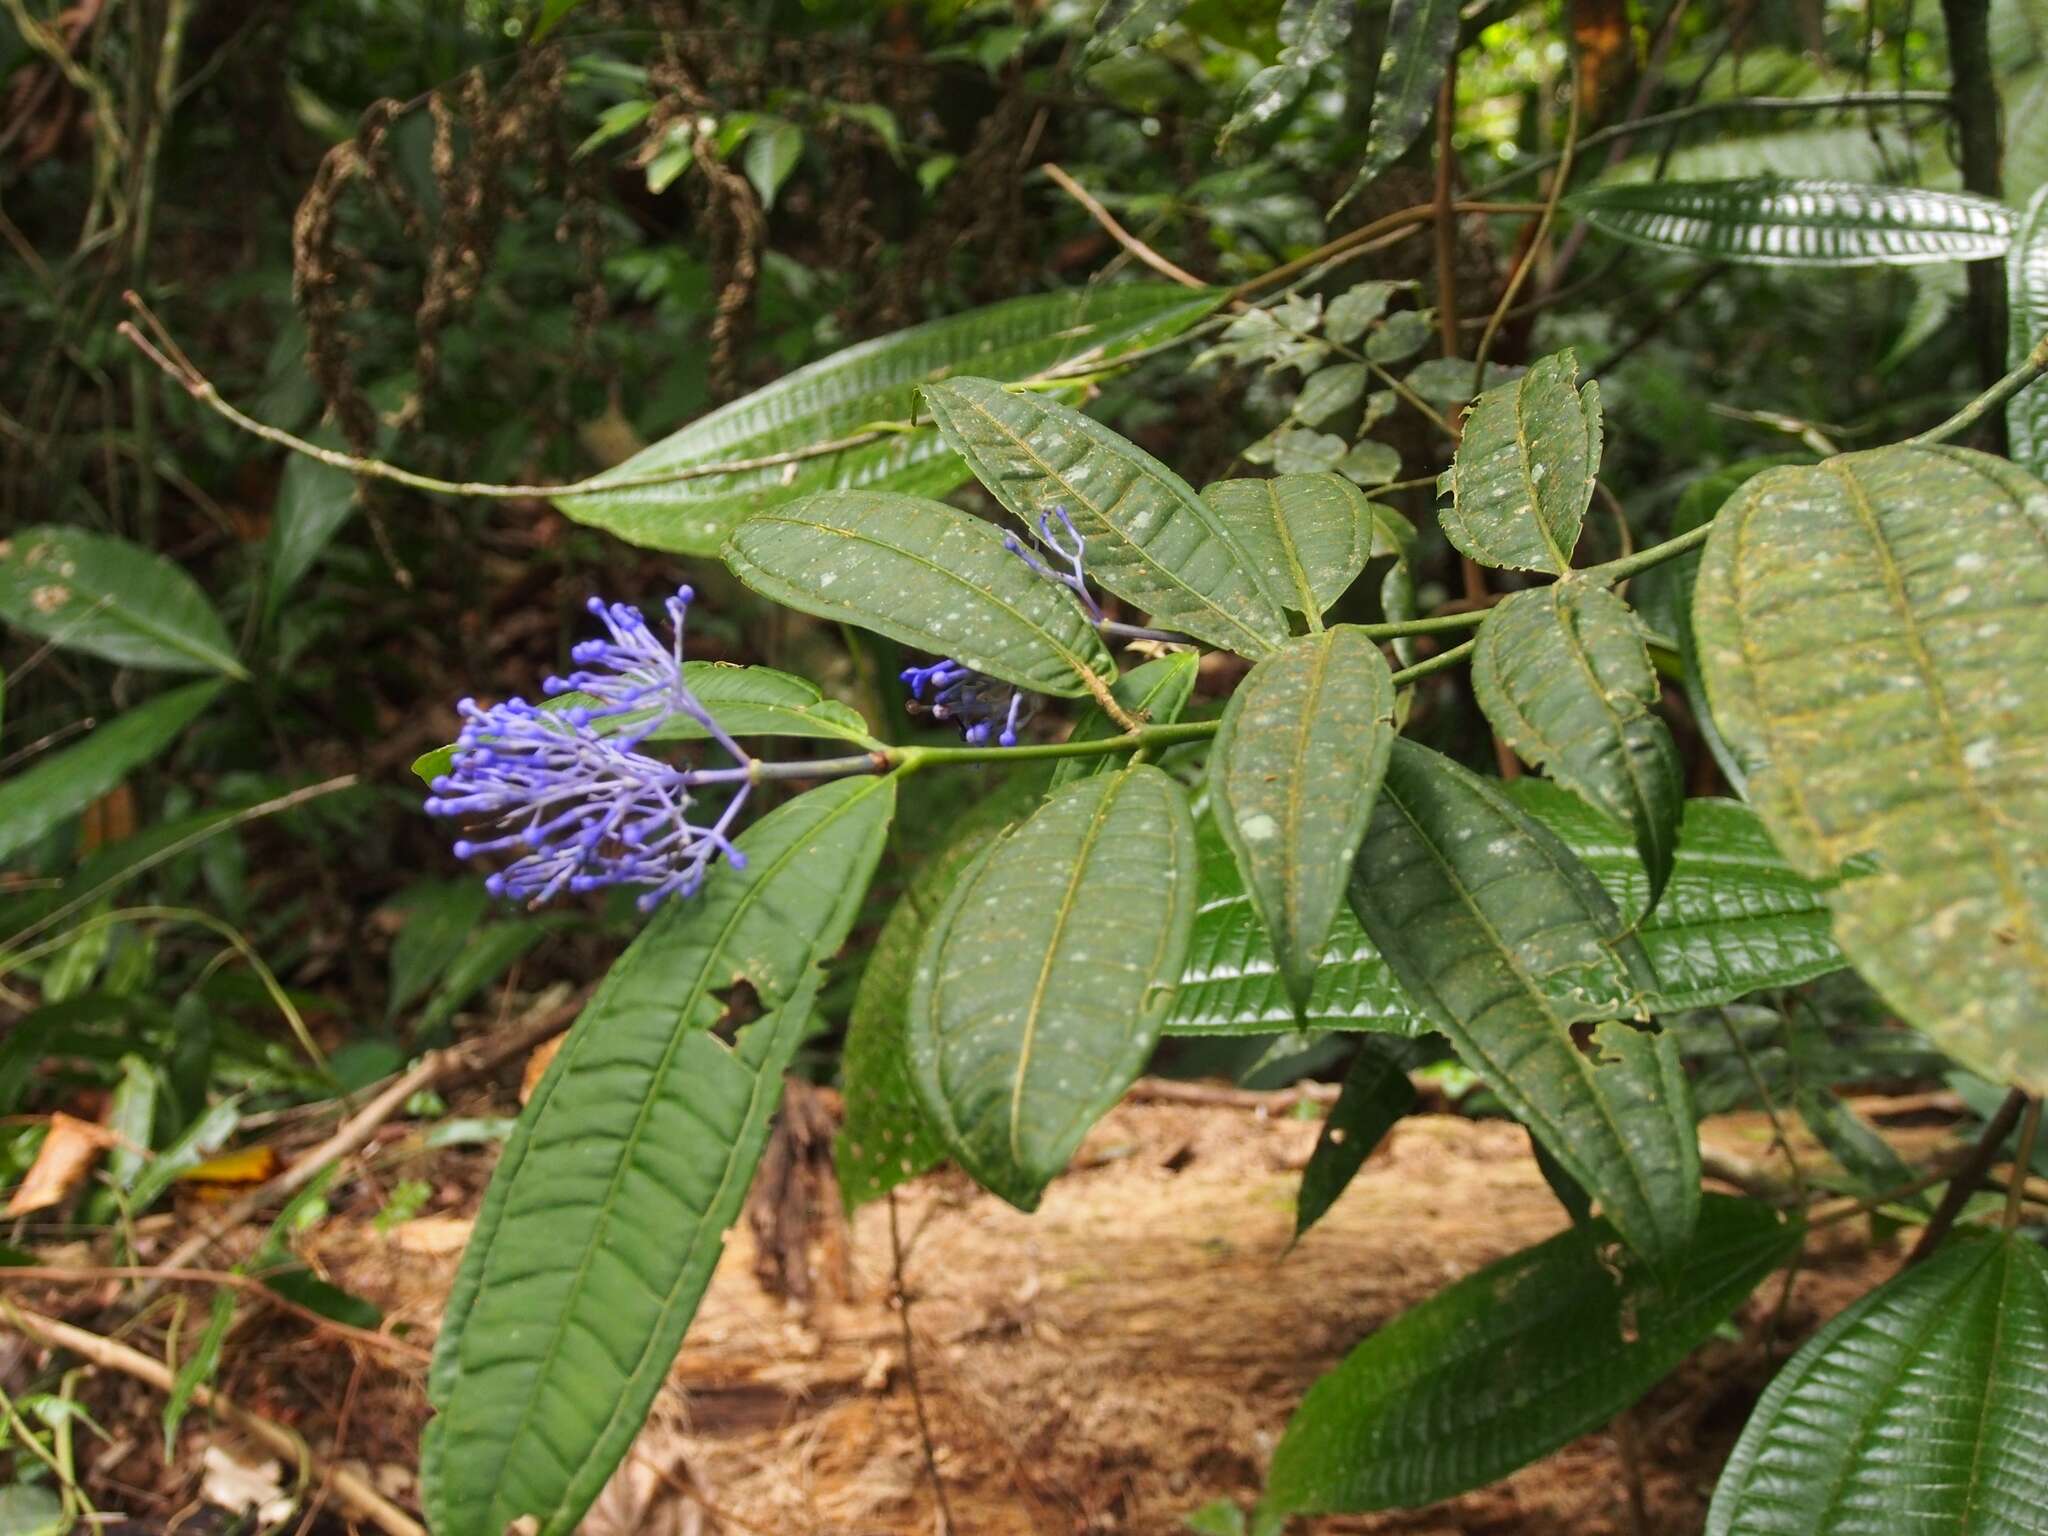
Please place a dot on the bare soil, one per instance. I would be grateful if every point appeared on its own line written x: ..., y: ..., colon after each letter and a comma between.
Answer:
x: 1126, y: 1354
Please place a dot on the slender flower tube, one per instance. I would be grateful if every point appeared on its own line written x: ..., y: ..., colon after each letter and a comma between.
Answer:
x: 581, y: 807
x: 1073, y: 549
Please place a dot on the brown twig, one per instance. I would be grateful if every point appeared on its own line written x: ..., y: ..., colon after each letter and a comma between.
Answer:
x: 251, y: 1285
x: 1969, y: 1176
x: 436, y: 1067
x: 1446, y: 219
x: 158, y: 347
x: 110, y: 1354
x: 924, y: 1426
x: 1395, y: 222
x: 1117, y: 232
x: 1558, y: 180
x: 1164, y: 1090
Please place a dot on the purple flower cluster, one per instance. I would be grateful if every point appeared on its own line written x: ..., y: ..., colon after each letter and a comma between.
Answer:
x: 582, y: 807
x: 974, y: 701
x: 971, y: 700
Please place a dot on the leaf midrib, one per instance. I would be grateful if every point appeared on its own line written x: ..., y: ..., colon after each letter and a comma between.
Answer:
x: 1187, y: 504
x: 712, y: 951
x: 1559, y: 1030
x: 1062, y: 915
x: 1075, y: 663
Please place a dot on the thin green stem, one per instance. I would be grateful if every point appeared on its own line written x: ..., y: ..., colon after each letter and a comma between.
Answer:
x: 1146, y: 738
x: 2031, y: 368
x: 1629, y: 565
x: 1439, y: 663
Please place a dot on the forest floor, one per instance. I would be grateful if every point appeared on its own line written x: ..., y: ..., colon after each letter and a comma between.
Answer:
x: 1110, y: 1363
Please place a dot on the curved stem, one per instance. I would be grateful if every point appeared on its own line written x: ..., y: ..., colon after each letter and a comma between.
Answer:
x: 2031, y: 368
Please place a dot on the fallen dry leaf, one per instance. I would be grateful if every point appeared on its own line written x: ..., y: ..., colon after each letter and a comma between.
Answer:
x: 61, y: 1164
x: 239, y: 1486
x: 536, y: 1064
x: 432, y: 1234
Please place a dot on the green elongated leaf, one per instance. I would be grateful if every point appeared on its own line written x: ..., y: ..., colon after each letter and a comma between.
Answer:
x: 314, y: 500
x: 1312, y: 31
x: 1866, y: 1157
x: 439, y: 919
x: 1156, y: 692
x: 131, y: 1116
x: 1523, y: 474
x: 1043, y: 981
x: 1922, y: 1407
x: 1120, y: 23
x: 1866, y: 629
x: 111, y: 598
x: 1774, y: 221
x: 200, y: 1366
x: 488, y: 956
x: 191, y: 1146
x: 873, y: 381
x: 1498, y: 932
x: 926, y: 574
x: 746, y: 701
x: 1231, y: 983
x: 1514, y: 1361
x: 1734, y: 919
x: 1293, y: 771
x: 1375, y: 1094
x: 1421, y: 35
x: 1310, y: 534
x: 1565, y: 678
x: 2026, y: 285
x: 59, y: 785
x: 1150, y: 539
x: 562, y: 1323
x: 887, y: 1137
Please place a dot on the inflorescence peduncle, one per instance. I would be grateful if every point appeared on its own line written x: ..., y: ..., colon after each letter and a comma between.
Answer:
x: 582, y: 807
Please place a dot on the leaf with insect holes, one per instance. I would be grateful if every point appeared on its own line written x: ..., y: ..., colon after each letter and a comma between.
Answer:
x: 1502, y: 936
x: 1293, y: 771
x: 111, y: 598
x: 1150, y: 539
x: 1523, y: 475
x: 559, y: 1332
